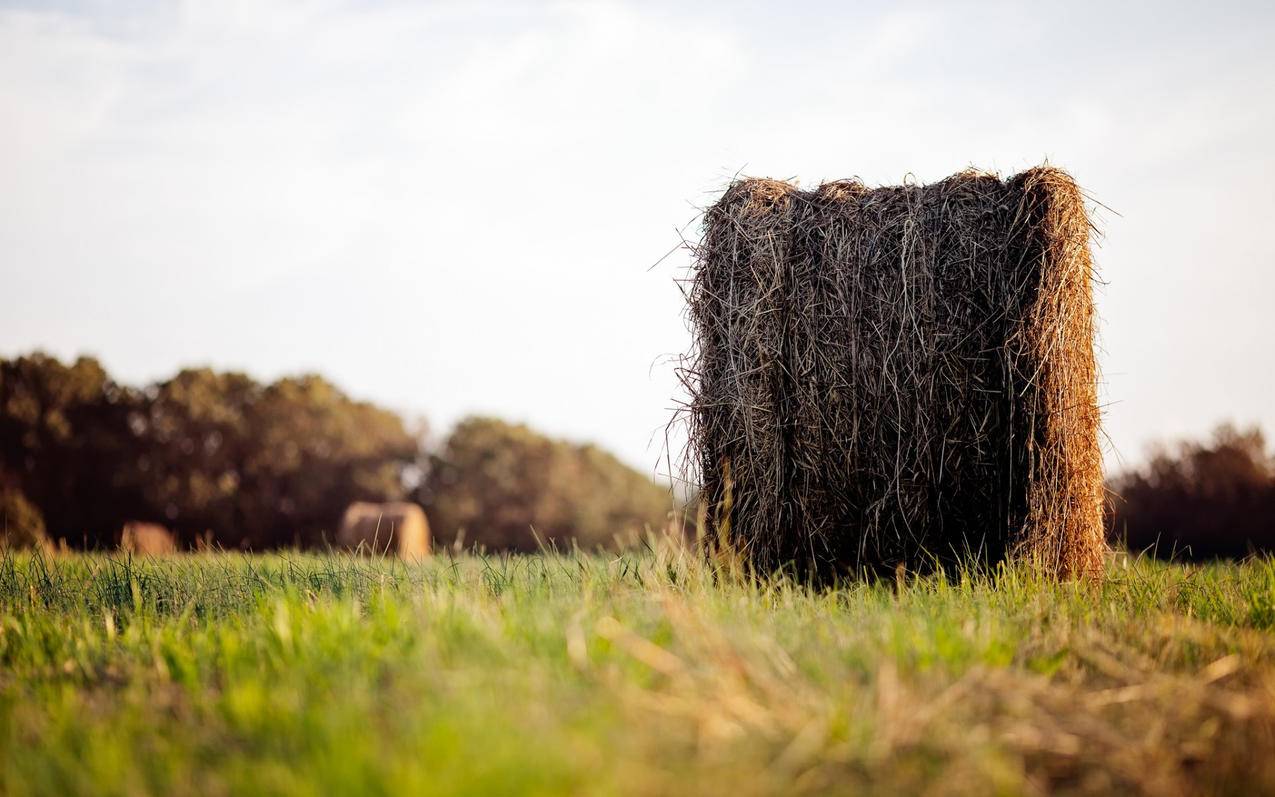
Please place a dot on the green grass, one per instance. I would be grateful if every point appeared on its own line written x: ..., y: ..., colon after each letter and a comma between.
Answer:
x: 640, y: 674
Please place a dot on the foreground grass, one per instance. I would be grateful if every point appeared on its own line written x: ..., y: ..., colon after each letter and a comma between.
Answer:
x: 642, y: 674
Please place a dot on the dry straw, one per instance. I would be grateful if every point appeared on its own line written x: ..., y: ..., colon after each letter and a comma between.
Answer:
x: 897, y: 376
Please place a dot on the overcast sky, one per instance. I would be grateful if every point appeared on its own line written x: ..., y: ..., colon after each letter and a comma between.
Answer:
x: 453, y: 208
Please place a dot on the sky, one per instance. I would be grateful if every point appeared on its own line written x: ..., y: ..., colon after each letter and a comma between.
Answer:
x: 455, y: 208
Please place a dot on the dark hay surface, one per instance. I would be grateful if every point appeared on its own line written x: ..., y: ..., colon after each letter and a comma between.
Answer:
x: 899, y: 375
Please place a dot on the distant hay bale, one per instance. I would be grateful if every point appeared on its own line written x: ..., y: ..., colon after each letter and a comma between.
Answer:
x: 147, y: 539
x: 898, y: 376
x: 396, y: 527
x: 21, y: 522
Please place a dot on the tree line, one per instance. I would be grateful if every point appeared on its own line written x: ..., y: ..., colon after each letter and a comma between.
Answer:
x: 1198, y: 500
x: 222, y: 459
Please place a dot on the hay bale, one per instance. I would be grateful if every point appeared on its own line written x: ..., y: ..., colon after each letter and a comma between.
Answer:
x: 399, y: 527
x: 900, y: 375
x: 147, y: 539
x: 21, y: 522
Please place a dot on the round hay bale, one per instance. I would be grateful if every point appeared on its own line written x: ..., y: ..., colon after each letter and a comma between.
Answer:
x: 397, y: 527
x: 21, y: 522
x: 147, y: 539
x: 897, y: 376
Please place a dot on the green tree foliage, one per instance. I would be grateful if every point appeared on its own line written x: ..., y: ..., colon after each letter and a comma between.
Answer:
x: 218, y: 454
x: 264, y: 466
x: 204, y: 453
x: 193, y: 437
x: 497, y: 481
x: 317, y: 451
x: 1200, y: 500
x: 66, y: 445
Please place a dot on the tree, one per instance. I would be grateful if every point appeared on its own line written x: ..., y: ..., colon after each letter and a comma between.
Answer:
x: 194, y: 435
x: 266, y: 466
x: 316, y: 452
x: 497, y: 481
x: 205, y: 452
x: 1200, y: 500
x: 65, y: 444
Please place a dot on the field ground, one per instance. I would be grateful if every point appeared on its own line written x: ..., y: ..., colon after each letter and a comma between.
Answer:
x: 638, y: 674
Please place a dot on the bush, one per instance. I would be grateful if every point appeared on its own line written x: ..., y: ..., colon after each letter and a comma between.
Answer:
x: 1200, y: 500
x: 497, y: 481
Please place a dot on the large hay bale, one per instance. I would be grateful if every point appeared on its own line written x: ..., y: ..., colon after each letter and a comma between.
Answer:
x: 399, y: 527
x: 147, y: 539
x: 899, y: 375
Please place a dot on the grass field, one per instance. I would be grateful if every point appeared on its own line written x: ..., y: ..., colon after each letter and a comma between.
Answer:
x: 639, y: 674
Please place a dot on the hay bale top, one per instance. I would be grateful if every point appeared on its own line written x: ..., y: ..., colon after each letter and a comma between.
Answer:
x: 759, y: 197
